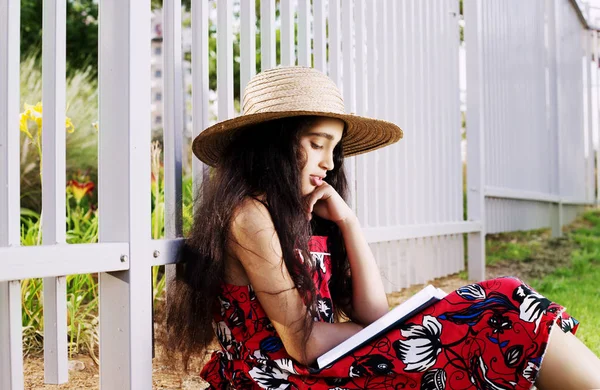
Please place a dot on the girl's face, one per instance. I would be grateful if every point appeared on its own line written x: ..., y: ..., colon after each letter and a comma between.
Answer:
x: 317, y: 142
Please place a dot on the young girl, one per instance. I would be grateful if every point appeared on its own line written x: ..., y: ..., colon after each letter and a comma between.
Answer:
x: 276, y: 266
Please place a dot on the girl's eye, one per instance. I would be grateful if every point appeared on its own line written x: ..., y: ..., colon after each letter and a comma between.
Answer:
x: 315, y: 146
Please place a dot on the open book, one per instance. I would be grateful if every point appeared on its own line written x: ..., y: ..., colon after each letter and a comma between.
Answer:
x: 426, y: 297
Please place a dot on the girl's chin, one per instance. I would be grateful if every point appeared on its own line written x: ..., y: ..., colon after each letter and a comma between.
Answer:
x: 307, y: 189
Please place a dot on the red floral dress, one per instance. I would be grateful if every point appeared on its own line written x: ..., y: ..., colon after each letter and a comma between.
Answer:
x: 489, y: 335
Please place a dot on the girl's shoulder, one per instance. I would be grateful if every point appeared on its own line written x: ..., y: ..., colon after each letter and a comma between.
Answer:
x: 251, y: 213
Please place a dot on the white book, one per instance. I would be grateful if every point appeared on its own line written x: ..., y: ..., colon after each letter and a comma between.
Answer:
x: 426, y: 297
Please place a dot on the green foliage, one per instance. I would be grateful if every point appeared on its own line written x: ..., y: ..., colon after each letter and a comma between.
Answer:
x: 188, y: 204
x: 212, y: 51
x: 82, y: 34
x: 81, y: 144
x: 32, y: 316
x: 158, y: 196
x: 159, y: 3
x: 82, y: 314
x: 82, y: 39
x: 82, y: 290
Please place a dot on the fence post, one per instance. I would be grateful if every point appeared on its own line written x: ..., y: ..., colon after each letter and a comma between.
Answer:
x: 200, y: 102
x: 596, y: 52
x: 124, y: 193
x: 174, y: 112
x: 553, y: 125
x: 589, y: 175
x: 474, y: 40
x: 348, y: 84
x: 54, y: 38
x: 319, y: 35
x: 11, y: 352
x: 267, y: 35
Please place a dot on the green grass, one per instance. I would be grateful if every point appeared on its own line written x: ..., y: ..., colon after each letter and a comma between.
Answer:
x: 519, y: 246
x: 566, y: 270
x: 577, y: 287
x: 507, y: 251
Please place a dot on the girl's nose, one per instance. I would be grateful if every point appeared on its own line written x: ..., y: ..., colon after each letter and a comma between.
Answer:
x: 327, y: 162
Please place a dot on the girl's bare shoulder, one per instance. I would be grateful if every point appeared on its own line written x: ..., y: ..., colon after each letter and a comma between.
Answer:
x: 250, y: 217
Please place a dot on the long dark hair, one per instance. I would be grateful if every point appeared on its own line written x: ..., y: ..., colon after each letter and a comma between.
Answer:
x: 262, y: 161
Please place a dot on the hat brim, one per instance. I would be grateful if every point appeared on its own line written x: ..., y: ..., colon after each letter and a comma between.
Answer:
x: 362, y: 134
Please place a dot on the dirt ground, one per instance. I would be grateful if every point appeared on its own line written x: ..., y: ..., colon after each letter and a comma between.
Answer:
x: 552, y: 253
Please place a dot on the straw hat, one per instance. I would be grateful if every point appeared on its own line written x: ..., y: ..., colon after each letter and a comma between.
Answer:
x: 295, y: 91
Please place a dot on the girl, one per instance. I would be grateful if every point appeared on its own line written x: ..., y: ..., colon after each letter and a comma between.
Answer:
x: 276, y: 266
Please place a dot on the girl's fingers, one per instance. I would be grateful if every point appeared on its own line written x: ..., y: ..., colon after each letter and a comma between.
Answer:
x: 318, y: 194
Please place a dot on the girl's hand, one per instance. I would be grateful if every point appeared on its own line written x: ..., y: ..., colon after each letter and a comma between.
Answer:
x: 326, y: 203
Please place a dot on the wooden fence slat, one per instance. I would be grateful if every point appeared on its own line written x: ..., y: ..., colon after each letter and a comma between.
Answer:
x: 267, y: 34
x: 304, y: 30
x: 125, y: 297
x: 319, y: 37
x: 11, y: 354
x: 348, y: 80
x: 225, y: 59
x: 287, y: 33
x: 247, y: 44
x: 200, y: 86
x: 410, y: 189
x: 588, y: 61
x: 403, y: 86
x: 396, y: 108
x: 361, y: 202
x: 383, y: 56
x: 54, y: 36
x: 596, y: 53
x: 334, y: 40
x: 173, y: 124
x: 456, y: 208
x: 475, y: 138
x: 173, y: 128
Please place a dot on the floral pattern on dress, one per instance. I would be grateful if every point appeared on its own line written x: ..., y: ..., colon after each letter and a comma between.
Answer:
x: 488, y: 335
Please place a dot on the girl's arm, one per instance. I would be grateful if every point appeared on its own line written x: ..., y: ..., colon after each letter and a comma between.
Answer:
x: 256, y: 244
x: 369, y: 301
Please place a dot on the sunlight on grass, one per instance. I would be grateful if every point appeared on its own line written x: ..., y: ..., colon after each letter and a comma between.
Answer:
x: 572, y: 262
x: 576, y: 286
x: 519, y: 246
x: 497, y: 251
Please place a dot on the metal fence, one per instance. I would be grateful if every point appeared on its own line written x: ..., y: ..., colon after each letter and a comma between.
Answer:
x: 529, y: 126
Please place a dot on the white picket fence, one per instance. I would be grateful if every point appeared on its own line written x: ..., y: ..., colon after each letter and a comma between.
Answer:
x: 529, y: 130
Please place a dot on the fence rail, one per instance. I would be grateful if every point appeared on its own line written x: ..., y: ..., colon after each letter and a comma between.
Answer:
x: 530, y: 120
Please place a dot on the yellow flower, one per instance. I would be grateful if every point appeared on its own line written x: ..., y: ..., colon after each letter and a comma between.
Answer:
x: 23, y: 124
x: 69, y: 125
x: 34, y: 114
x: 95, y: 125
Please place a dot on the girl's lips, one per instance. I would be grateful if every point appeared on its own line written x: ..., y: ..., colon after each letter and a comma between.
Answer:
x: 316, y: 180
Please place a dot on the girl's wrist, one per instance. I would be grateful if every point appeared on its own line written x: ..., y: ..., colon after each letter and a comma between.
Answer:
x: 348, y: 221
